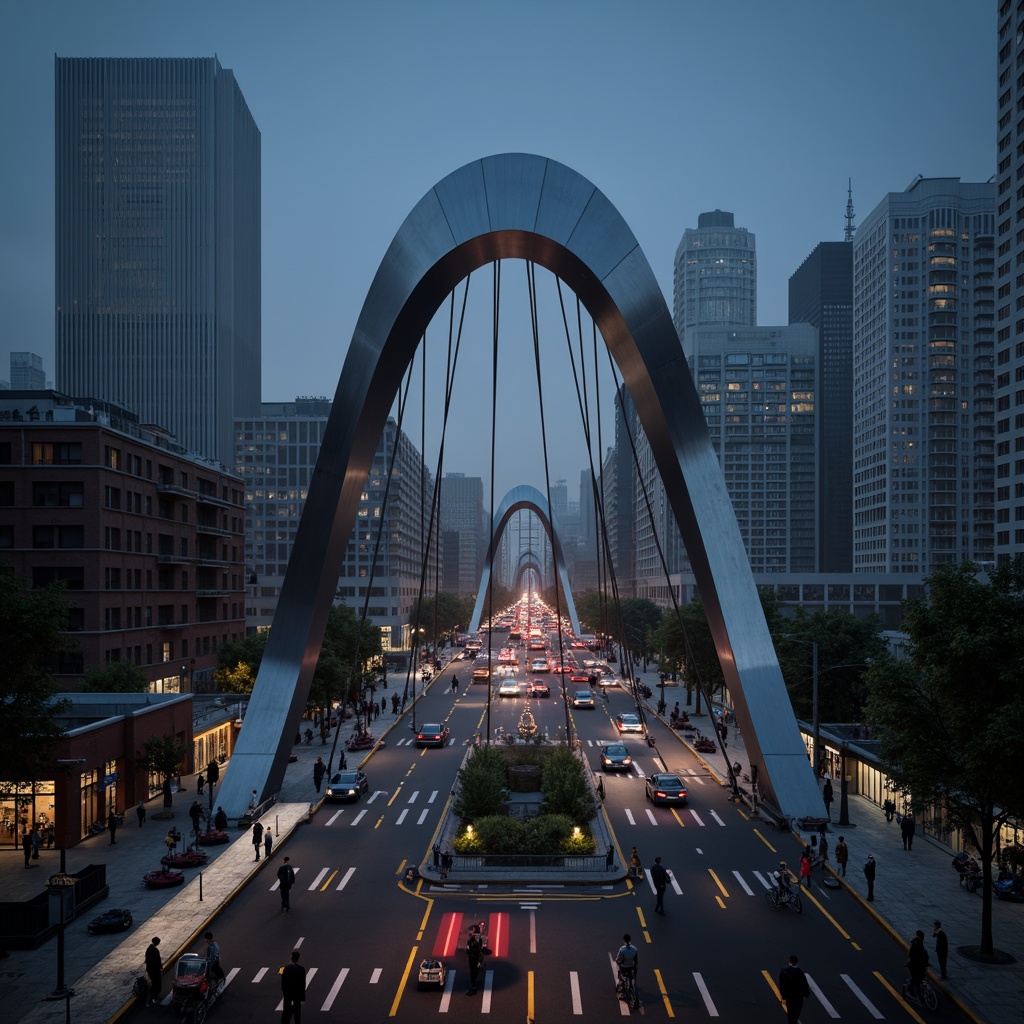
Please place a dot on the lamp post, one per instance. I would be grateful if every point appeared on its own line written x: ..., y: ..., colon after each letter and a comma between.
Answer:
x: 58, y: 885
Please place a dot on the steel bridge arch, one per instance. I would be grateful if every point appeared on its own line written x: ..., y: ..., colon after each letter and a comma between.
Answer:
x: 524, y: 497
x: 527, y: 561
x: 521, y: 206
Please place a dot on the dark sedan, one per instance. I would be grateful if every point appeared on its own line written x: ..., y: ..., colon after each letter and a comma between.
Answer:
x: 433, y: 734
x: 347, y: 786
x: 665, y: 789
x: 615, y: 758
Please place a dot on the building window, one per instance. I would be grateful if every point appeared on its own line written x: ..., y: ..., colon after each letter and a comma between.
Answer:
x: 63, y: 454
x: 50, y: 494
x: 111, y: 457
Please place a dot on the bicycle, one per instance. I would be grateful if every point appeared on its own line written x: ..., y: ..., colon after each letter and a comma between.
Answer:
x: 926, y: 996
x: 777, y: 899
x: 626, y: 989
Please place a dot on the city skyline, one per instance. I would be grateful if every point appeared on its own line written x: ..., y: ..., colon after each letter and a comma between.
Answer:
x: 362, y: 112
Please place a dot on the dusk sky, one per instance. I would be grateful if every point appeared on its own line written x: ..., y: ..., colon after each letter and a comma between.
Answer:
x: 764, y: 109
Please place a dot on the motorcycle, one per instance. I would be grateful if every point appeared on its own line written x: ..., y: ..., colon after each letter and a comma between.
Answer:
x: 968, y: 870
x: 194, y: 990
x: 1009, y: 887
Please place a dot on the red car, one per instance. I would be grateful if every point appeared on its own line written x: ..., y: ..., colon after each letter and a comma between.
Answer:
x: 538, y: 688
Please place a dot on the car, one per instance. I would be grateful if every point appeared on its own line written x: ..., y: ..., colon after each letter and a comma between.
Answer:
x: 665, y: 789
x: 481, y: 673
x: 539, y: 665
x: 432, y: 734
x: 509, y: 688
x: 615, y: 758
x: 111, y: 921
x: 609, y: 680
x: 628, y: 722
x: 347, y: 785
x: 580, y: 677
x: 431, y: 972
x: 583, y: 699
x: 538, y: 688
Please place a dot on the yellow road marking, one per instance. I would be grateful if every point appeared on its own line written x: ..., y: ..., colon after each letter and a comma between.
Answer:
x: 423, y: 923
x: 675, y: 814
x: 839, y: 928
x: 856, y: 946
x: 379, y: 821
x: 330, y: 878
x: 529, y: 995
x: 720, y: 902
x: 664, y: 994
x: 757, y: 832
x: 395, y: 797
x: 771, y: 984
x: 401, y: 867
x: 640, y: 914
x: 718, y: 883
x: 899, y: 998
x: 404, y: 980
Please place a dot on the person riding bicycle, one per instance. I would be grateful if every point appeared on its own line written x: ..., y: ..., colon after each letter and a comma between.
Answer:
x: 781, y: 878
x: 628, y: 958
x: 917, y: 962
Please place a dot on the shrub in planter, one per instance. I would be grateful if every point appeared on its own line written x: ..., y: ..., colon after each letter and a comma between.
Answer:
x: 481, y: 785
x: 565, y: 787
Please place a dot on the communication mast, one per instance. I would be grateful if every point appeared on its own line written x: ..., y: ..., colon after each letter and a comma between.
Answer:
x: 851, y: 228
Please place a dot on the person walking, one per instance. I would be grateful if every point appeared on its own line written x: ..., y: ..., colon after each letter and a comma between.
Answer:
x: 475, y: 953
x: 635, y: 867
x: 293, y: 988
x: 917, y: 961
x: 609, y: 858
x: 257, y: 837
x: 213, y: 967
x: 842, y: 855
x: 200, y: 783
x: 268, y: 842
x: 195, y: 812
x: 319, y: 768
x: 154, y: 970
x: 112, y: 825
x: 140, y: 813
x: 826, y: 795
x: 823, y: 849
x: 455, y: 683
x: 869, y: 874
x: 26, y: 846
x: 220, y: 819
x: 286, y: 879
x: 907, y: 830
x: 793, y: 988
x: 805, y: 867
x: 659, y: 876
x: 37, y: 841
x: 941, y: 946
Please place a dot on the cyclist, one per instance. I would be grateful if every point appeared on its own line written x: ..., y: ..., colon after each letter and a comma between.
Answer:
x: 781, y: 878
x: 918, y: 963
x: 628, y: 959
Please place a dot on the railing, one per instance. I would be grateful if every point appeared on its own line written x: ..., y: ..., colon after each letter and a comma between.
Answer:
x: 577, y: 863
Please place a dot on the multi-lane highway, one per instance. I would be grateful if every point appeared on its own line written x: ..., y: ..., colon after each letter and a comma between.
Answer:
x: 715, y: 954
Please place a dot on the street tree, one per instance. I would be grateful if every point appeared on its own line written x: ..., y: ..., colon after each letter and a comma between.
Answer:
x: 34, y: 619
x: 162, y: 756
x: 117, y: 677
x: 950, y: 717
x: 244, y: 653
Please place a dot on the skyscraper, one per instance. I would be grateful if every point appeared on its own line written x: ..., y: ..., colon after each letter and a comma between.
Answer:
x: 923, y: 411
x: 462, y: 514
x: 821, y: 294
x: 27, y: 372
x: 715, y: 278
x: 158, y: 243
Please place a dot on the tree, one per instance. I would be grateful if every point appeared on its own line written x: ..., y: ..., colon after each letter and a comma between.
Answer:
x: 636, y: 624
x: 566, y: 789
x: 481, y: 785
x: 247, y: 651
x: 117, y: 677
x: 162, y: 756
x: 950, y: 719
x: 235, y: 679
x: 439, y: 614
x: 33, y: 623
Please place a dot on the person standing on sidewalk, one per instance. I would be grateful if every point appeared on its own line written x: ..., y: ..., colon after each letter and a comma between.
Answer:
x: 140, y: 813
x: 26, y: 846
x: 154, y: 970
x: 318, y: 772
x: 268, y: 842
x: 842, y: 855
x: 869, y: 874
x: 907, y: 830
x: 286, y: 879
x: 826, y: 795
x: 659, y: 876
x: 112, y: 825
x: 257, y: 837
x: 941, y: 946
x: 793, y: 988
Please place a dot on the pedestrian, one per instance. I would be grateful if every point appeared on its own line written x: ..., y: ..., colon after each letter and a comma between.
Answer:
x: 26, y: 846
x: 917, y: 961
x: 213, y: 967
x: 805, y: 867
x: 112, y: 825
x: 220, y: 819
x: 447, y: 863
x: 455, y: 683
x: 195, y: 812
x: 823, y: 849
x: 842, y: 855
x: 793, y: 988
x: 293, y: 988
x: 383, y: 705
x: 200, y: 783
x: 609, y: 858
x: 869, y: 874
x: 268, y: 842
x: 941, y: 946
x: 318, y: 772
x: 635, y: 867
x: 394, y: 703
x: 437, y: 855
x: 140, y: 812
x: 907, y: 830
x: 286, y: 879
x: 475, y: 953
x: 254, y: 802
x: 154, y: 970
x: 37, y: 841
x: 257, y: 837
x: 826, y: 795
x: 659, y: 876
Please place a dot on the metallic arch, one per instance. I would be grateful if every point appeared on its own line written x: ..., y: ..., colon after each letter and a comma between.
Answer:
x: 527, y: 561
x: 524, y: 497
x: 520, y: 206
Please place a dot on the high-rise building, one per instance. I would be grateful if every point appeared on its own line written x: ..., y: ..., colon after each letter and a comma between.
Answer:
x: 821, y: 294
x: 275, y: 457
x: 1009, y: 279
x: 158, y: 243
x: 757, y: 387
x: 923, y: 411
x: 462, y: 513
x: 27, y: 372
x: 715, y: 279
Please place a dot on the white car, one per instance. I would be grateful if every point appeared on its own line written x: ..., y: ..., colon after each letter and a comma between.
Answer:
x: 629, y: 722
x: 583, y: 699
x: 509, y: 688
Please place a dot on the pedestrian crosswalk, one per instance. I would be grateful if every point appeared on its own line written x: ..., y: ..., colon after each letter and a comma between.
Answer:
x: 416, y: 809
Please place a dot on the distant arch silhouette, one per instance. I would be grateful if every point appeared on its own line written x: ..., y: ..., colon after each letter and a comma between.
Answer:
x: 524, y: 498
x: 527, y: 561
x: 520, y: 206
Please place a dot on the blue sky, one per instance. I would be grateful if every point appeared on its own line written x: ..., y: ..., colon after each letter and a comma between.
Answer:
x: 670, y: 108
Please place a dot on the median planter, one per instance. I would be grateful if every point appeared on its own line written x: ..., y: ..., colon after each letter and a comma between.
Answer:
x: 524, y: 778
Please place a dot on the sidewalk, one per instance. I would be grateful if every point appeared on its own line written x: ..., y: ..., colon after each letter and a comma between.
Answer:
x: 912, y: 889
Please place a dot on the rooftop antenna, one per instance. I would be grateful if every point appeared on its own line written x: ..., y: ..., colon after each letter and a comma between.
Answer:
x: 851, y: 228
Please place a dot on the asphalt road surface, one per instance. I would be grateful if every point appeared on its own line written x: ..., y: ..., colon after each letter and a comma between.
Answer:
x: 715, y: 954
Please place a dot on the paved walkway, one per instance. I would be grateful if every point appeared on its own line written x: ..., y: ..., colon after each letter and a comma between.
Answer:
x: 912, y: 890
